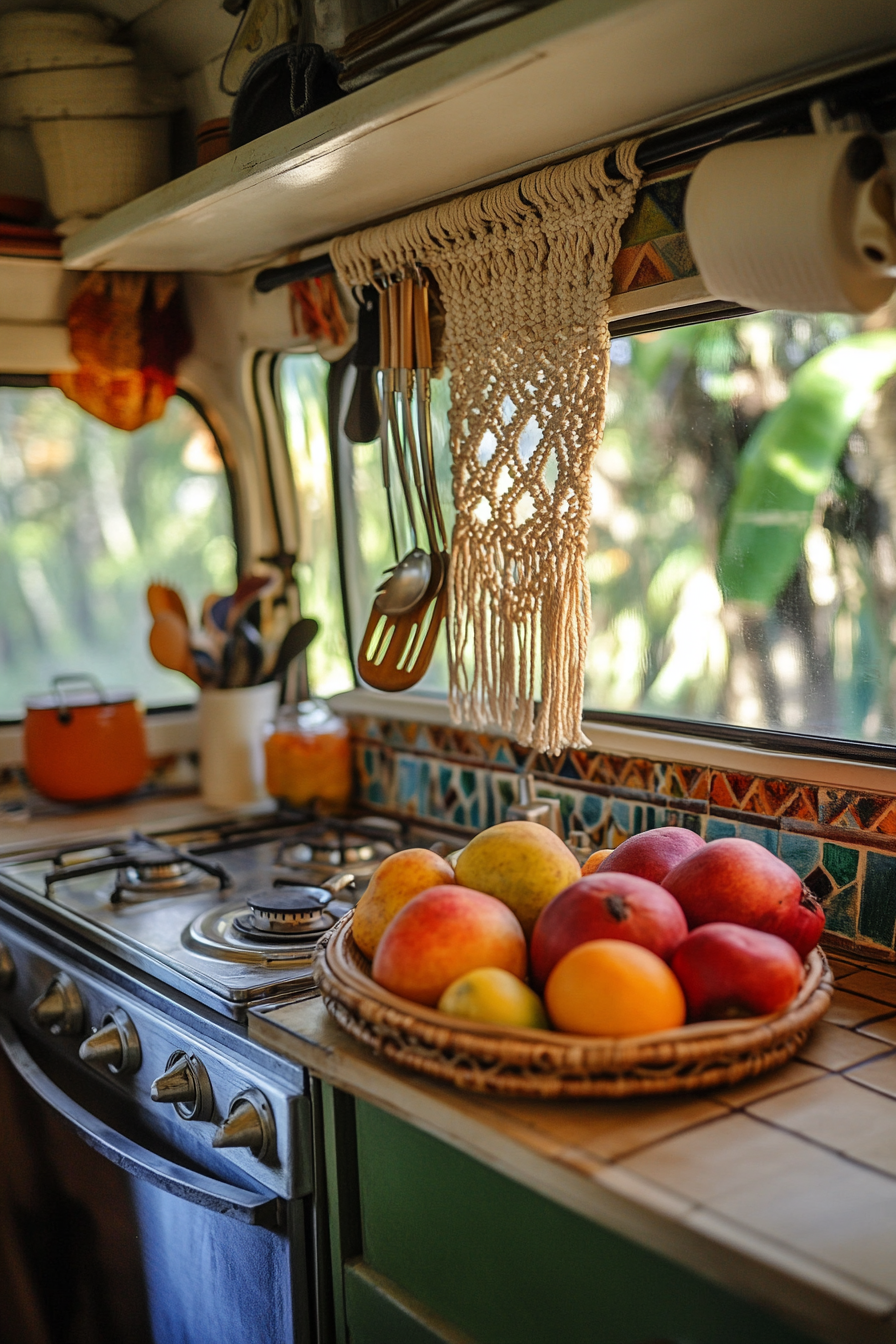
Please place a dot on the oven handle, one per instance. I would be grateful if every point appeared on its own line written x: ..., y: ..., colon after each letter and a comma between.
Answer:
x: 217, y: 1196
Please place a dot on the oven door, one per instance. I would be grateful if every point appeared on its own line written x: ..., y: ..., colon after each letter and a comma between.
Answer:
x: 223, y: 1263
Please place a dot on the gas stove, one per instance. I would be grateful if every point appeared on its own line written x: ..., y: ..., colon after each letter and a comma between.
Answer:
x: 229, y: 914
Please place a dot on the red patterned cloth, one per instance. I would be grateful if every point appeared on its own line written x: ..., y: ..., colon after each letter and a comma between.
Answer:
x: 129, y: 331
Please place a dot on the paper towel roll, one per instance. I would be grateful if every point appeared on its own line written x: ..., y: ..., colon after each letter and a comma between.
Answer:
x: 803, y: 223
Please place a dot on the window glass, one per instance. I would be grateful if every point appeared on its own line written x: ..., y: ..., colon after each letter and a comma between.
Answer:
x: 742, y: 553
x: 303, y: 391
x: 89, y: 515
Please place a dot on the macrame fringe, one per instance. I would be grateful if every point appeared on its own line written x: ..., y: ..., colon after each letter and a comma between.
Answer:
x: 524, y: 271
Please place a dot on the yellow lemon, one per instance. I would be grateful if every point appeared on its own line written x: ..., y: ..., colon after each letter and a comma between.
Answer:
x: 489, y: 994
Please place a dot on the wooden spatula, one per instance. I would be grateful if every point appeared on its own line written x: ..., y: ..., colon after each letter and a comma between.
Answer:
x: 396, y: 650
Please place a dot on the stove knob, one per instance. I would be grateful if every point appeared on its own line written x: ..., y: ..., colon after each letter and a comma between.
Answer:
x: 59, y: 1009
x: 7, y: 968
x: 186, y: 1086
x: 249, y: 1124
x: 115, y: 1043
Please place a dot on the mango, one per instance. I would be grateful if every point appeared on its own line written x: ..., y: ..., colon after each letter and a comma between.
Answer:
x: 439, y: 936
x: 522, y: 864
x: 399, y: 878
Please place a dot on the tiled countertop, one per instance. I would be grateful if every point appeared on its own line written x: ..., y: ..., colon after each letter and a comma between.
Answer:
x: 783, y: 1189
x: 149, y: 814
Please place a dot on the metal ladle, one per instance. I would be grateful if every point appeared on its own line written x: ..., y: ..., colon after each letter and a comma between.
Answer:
x: 408, y: 580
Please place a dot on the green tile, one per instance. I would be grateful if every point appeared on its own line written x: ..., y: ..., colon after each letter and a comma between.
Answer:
x: 877, y: 915
x: 592, y: 809
x: 842, y: 862
x: 841, y: 911
x: 800, y: 852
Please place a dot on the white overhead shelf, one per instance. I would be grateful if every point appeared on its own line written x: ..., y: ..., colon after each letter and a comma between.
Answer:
x: 566, y: 78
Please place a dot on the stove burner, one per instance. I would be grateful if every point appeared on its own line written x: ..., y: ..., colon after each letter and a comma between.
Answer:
x: 144, y: 868
x: 291, y: 912
x: 335, y: 847
x: 156, y: 876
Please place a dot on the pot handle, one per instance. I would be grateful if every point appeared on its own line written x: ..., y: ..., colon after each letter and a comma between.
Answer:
x: 64, y: 713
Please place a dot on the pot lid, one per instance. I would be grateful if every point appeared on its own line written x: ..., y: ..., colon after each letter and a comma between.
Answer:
x: 79, y: 691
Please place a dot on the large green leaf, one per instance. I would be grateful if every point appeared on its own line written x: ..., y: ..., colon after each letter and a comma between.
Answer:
x: 788, y: 461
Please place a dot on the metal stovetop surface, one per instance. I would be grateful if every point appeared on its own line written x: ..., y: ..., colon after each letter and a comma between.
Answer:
x: 186, y: 940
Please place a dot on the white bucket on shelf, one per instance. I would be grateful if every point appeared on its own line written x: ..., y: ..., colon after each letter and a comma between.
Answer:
x: 44, y: 40
x: 93, y: 164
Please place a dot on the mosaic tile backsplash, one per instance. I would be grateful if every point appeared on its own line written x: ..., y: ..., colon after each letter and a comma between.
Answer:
x: 842, y: 843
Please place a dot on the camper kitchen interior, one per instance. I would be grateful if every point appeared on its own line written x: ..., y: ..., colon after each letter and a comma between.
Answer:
x: 447, y: 672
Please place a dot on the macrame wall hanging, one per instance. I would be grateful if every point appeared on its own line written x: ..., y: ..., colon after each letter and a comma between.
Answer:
x: 525, y: 271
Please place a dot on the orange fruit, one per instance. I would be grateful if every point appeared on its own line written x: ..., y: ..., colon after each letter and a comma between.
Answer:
x: 611, y: 988
x: 594, y: 861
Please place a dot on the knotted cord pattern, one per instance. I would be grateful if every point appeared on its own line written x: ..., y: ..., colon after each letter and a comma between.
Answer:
x: 525, y: 271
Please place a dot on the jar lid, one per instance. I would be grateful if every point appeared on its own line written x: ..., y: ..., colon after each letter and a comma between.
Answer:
x: 308, y: 716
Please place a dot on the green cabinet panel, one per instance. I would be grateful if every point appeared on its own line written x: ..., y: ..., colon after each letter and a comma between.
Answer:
x: 507, y: 1266
x: 378, y: 1312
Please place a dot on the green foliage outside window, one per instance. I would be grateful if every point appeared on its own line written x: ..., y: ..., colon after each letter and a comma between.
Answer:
x: 89, y: 515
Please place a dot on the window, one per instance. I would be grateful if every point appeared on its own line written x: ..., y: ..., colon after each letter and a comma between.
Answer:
x: 89, y: 515
x: 303, y: 394
x: 742, y: 554
x: 742, y: 549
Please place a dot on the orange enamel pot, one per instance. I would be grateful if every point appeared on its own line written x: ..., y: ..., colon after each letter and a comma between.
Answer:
x: 83, y: 743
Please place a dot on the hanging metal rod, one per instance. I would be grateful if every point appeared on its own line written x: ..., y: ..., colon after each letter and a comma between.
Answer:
x: 869, y: 92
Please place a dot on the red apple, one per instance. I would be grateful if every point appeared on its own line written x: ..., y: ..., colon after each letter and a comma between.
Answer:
x: 801, y: 925
x: 727, y: 970
x: 734, y: 880
x: 652, y: 854
x: 606, y: 905
x: 440, y: 935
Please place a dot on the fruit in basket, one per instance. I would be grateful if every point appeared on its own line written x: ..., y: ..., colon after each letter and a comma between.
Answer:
x: 594, y: 861
x: 728, y: 970
x: 606, y: 905
x: 612, y: 988
x: 652, y: 854
x: 440, y: 935
x: 397, y: 880
x: 520, y: 863
x: 740, y: 882
x: 489, y: 994
x: 802, y: 925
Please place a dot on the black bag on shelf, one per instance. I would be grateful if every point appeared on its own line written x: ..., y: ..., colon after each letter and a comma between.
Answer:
x: 286, y: 83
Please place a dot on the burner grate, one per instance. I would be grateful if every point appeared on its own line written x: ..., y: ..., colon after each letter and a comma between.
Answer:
x: 146, y: 869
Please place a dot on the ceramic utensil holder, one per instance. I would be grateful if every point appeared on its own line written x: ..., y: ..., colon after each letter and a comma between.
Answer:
x: 232, y: 727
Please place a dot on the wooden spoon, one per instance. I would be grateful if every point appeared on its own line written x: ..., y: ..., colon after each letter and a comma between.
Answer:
x: 160, y: 597
x: 169, y: 644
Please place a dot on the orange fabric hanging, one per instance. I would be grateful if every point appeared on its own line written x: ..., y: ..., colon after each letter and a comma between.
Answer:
x: 321, y: 312
x: 129, y: 331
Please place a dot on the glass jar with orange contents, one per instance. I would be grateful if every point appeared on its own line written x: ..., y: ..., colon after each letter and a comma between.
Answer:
x: 308, y: 757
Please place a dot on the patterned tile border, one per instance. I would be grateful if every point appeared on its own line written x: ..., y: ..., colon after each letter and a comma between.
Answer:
x: 841, y: 842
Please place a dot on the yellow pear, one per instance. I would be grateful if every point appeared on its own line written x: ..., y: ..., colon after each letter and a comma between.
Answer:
x: 398, y: 879
x: 521, y: 863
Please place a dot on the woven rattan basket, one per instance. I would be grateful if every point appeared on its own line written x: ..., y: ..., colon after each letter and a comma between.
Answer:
x: 530, y: 1063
